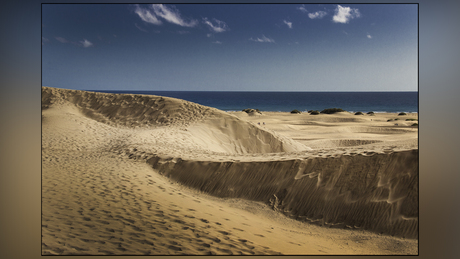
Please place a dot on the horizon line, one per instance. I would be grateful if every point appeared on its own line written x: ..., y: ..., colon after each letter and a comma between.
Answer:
x: 251, y: 91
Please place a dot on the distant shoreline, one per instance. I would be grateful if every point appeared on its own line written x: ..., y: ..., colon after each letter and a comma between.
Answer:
x: 143, y: 91
x: 378, y: 102
x: 351, y: 112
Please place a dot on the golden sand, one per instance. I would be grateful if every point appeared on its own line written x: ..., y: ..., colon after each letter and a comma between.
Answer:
x: 137, y: 175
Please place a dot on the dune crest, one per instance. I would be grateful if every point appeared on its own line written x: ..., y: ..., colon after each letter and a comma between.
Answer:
x: 377, y: 192
x: 211, y: 129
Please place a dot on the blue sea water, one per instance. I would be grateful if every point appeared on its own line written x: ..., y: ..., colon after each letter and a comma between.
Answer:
x: 302, y: 101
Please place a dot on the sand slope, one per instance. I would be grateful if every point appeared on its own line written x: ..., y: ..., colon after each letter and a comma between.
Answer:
x: 377, y: 192
x: 131, y: 174
x: 211, y: 130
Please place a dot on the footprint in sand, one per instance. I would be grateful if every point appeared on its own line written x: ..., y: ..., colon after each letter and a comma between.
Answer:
x: 215, y: 239
x: 206, y: 245
x: 205, y: 220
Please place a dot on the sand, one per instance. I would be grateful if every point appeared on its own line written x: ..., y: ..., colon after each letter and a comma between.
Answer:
x: 150, y: 175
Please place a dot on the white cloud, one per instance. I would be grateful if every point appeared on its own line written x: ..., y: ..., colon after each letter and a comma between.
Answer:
x: 318, y: 14
x: 344, y: 14
x: 369, y: 36
x: 302, y: 9
x: 217, y: 26
x: 289, y: 24
x: 263, y: 39
x: 146, y: 15
x: 183, y: 32
x: 86, y: 43
x: 172, y: 15
x: 209, y: 35
x: 60, y: 39
x: 217, y: 42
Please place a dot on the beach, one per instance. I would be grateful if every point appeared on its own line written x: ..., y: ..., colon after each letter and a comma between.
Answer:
x: 126, y: 174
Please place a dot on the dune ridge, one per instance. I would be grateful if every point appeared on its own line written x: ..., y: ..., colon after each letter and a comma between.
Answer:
x: 377, y: 192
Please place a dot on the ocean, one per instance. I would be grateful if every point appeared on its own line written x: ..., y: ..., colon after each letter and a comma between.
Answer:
x: 302, y: 101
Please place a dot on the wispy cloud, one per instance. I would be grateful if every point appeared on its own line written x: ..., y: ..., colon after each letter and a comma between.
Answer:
x: 217, y: 26
x: 217, y: 42
x: 172, y: 15
x: 169, y: 13
x: 263, y: 39
x: 209, y: 35
x: 318, y: 14
x: 183, y: 32
x: 137, y: 26
x: 86, y: 43
x: 344, y: 14
x: 289, y: 24
x: 146, y: 15
x: 369, y: 36
x: 61, y: 40
x: 302, y: 9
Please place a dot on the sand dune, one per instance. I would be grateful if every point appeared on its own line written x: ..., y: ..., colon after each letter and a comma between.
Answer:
x: 209, y: 128
x: 377, y: 192
x: 137, y: 174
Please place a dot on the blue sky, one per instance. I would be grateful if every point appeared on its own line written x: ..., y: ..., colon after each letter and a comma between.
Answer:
x: 230, y: 47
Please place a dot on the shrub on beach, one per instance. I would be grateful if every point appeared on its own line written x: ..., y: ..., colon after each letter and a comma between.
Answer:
x: 411, y: 120
x: 295, y: 111
x: 314, y: 112
x: 251, y: 110
x: 402, y: 113
x: 370, y: 113
x: 390, y: 120
x: 359, y: 113
x: 415, y: 124
x: 331, y: 110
